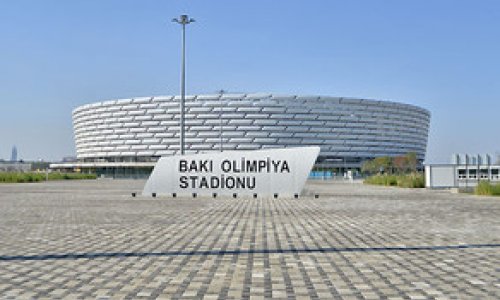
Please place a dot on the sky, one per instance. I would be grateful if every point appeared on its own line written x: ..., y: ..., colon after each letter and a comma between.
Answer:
x: 443, y: 55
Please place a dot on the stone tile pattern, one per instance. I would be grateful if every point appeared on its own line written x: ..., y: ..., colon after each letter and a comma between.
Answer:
x: 343, y: 127
x: 101, y: 217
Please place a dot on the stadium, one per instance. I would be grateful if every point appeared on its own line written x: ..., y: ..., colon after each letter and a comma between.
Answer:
x: 124, y: 138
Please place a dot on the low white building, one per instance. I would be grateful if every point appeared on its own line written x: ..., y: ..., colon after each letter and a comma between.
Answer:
x: 463, y: 172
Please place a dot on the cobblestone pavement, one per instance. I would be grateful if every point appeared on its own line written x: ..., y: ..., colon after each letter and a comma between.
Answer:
x: 93, y: 240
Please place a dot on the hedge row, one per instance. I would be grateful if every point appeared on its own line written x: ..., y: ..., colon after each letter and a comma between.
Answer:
x: 413, y: 180
x: 11, y: 177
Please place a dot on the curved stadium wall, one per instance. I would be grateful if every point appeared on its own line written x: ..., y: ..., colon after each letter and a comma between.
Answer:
x: 348, y: 130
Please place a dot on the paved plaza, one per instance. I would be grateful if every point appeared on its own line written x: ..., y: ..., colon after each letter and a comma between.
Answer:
x: 91, y: 239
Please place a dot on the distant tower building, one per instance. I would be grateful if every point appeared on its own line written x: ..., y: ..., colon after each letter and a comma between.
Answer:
x: 13, y: 157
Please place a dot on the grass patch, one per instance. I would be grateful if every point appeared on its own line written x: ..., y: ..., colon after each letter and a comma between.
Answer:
x: 485, y: 188
x: 13, y: 177
x: 412, y: 180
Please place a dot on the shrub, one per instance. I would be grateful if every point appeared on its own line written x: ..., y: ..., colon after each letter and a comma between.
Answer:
x: 13, y: 177
x: 486, y: 188
x: 412, y: 180
x: 70, y: 176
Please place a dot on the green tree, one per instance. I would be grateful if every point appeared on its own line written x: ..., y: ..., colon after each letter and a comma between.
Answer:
x: 369, y: 167
x: 411, y: 160
x: 383, y: 164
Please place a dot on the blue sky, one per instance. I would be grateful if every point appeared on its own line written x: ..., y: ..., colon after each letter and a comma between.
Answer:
x: 443, y: 55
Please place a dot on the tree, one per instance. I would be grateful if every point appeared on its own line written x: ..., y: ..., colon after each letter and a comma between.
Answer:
x: 400, y: 163
x: 383, y: 164
x: 377, y: 165
x: 411, y: 158
x: 369, y: 167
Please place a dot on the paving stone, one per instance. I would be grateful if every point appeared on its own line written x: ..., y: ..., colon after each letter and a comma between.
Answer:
x: 91, y: 239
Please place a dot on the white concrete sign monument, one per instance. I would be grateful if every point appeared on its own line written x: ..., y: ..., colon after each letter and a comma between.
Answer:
x: 261, y: 172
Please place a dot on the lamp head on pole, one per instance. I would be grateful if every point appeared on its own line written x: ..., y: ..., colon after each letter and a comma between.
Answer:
x: 183, y: 19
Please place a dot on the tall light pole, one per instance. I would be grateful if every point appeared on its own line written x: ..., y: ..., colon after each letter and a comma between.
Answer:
x: 183, y: 20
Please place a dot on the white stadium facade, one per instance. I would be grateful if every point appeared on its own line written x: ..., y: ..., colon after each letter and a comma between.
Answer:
x: 124, y: 138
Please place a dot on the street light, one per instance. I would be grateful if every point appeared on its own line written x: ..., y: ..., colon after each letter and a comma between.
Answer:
x: 183, y: 20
